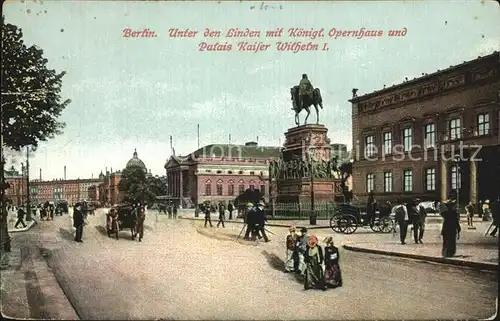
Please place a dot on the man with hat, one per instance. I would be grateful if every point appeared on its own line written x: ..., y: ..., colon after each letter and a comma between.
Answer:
x: 208, y: 212
x: 418, y: 220
x: 302, y: 249
x: 20, y: 217
x: 291, y: 254
x: 78, y: 222
x: 260, y: 222
x: 249, y: 220
x: 401, y: 216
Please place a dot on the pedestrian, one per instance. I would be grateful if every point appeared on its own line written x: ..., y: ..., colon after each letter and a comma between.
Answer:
x: 249, y: 220
x: 139, y: 225
x: 301, y: 250
x: 486, y: 211
x: 421, y: 224
x: 162, y: 208
x: 403, y: 219
x: 208, y: 219
x: 371, y: 207
x: 78, y: 222
x: 20, y: 217
x: 222, y: 215
x: 314, y: 258
x: 333, y: 274
x: 469, y: 208
x: 174, y: 210
x: 260, y: 222
x: 495, y: 212
x: 450, y: 230
x: 230, y: 208
x: 291, y: 243
x: 415, y: 218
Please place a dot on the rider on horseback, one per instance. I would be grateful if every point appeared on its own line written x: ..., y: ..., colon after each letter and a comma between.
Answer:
x: 305, y: 89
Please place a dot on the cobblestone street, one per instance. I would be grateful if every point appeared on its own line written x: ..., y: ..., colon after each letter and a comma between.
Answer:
x: 184, y: 271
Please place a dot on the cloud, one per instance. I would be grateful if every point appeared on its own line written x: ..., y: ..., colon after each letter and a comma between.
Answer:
x: 261, y: 67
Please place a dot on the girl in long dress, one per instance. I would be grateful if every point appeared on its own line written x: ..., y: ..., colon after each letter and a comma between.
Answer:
x: 333, y: 274
x: 450, y: 230
x: 314, y: 270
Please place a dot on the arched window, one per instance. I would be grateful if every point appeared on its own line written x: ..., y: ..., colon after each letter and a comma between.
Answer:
x: 230, y: 188
x: 241, y: 186
x: 208, y: 187
x: 251, y: 184
x: 219, y: 187
x: 262, y: 188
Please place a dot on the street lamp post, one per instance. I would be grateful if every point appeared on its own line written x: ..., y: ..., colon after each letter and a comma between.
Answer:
x: 312, y: 217
x: 28, y: 205
x: 457, y: 180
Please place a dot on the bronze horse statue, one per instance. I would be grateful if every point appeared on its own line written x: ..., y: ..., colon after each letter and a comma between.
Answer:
x: 306, y: 103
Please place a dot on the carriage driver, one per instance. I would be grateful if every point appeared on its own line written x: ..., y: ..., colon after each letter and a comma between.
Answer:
x: 305, y: 88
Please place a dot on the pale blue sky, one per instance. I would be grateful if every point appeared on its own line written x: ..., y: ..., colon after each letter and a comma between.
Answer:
x: 135, y: 92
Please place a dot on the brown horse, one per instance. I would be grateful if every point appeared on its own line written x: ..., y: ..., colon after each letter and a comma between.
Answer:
x: 139, y: 225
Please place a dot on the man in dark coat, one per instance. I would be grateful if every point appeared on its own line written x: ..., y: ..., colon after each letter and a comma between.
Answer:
x: 222, y: 215
x: 402, y: 218
x: 260, y: 222
x: 208, y: 212
x: 371, y: 207
x: 175, y: 209
x: 20, y: 217
x: 451, y: 229
x: 250, y: 218
x: 78, y: 222
x: 230, y: 208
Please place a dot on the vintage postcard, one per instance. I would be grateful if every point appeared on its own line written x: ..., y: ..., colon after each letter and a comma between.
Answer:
x: 250, y: 160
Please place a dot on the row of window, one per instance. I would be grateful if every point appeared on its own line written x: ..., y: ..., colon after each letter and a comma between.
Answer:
x: 454, y: 132
x: 429, y: 180
x: 232, y: 172
x: 230, y: 189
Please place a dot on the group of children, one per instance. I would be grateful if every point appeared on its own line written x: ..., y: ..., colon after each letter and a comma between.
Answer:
x: 306, y: 257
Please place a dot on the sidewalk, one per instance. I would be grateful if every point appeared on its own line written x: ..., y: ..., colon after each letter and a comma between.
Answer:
x: 473, y: 248
x: 320, y: 224
x: 12, y: 219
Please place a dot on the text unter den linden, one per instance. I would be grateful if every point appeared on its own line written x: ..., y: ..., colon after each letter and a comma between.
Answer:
x: 252, y: 40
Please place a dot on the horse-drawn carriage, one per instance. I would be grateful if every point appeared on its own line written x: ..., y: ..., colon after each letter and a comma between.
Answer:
x: 125, y: 216
x: 347, y: 218
x: 62, y: 207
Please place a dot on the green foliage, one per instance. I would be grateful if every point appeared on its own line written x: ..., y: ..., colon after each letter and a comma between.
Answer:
x: 140, y: 188
x: 31, y: 102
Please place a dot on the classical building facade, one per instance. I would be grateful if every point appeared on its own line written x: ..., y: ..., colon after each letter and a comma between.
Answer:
x: 434, y: 137
x: 219, y: 173
x: 71, y: 190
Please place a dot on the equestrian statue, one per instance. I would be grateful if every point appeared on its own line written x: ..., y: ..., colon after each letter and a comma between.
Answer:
x: 303, y: 96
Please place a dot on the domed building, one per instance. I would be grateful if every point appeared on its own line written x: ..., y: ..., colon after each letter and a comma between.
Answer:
x: 136, y: 161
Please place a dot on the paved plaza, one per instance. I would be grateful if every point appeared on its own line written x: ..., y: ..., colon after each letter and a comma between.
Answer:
x: 182, y: 270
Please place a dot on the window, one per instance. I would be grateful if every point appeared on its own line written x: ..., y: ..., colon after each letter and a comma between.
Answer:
x: 407, y: 139
x: 252, y: 173
x: 241, y: 188
x: 370, y: 183
x: 369, y: 146
x: 252, y: 187
x: 408, y: 180
x: 219, y: 189
x: 455, y: 128
x: 263, y: 189
x: 483, y: 124
x: 230, y: 188
x: 387, y: 143
x: 208, y: 189
x: 430, y: 135
x: 455, y: 177
x: 387, y: 182
x: 240, y: 172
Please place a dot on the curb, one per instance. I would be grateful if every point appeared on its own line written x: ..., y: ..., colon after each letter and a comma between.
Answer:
x: 443, y: 260
x: 267, y: 224
x: 24, y: 229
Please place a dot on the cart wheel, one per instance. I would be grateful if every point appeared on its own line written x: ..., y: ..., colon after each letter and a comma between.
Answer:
x: 375, y: 225
x: 348, y: 224
x: 386, y: 225
x: 334, y: 223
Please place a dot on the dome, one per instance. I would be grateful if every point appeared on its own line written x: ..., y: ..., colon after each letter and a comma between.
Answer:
x: 135, y: 161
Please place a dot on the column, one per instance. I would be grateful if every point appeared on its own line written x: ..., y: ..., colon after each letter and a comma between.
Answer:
x: 181, y: 192
x: 473, y: 181
x: 444, y: 180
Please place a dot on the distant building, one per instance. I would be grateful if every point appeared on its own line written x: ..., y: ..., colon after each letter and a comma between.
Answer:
x: 107, y: 192
x: 71, y: 190
x: 16, y: 193
x: 406, y: 136
x: 219, y: 173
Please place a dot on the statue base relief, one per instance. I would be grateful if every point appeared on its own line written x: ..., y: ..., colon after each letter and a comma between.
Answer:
x: 310, y: 146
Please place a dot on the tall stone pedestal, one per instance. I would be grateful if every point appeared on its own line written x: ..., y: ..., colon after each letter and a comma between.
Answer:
x: 307, y: 151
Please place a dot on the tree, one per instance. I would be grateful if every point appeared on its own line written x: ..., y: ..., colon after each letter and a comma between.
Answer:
x: 158, y: 185
x: 346, y: 172
x: 31, y: 101
x: 249, y: 195
x: 30, y: 105
x: 135, y: 185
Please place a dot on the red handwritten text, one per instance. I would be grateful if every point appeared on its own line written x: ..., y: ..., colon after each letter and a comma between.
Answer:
x: 146, y: 33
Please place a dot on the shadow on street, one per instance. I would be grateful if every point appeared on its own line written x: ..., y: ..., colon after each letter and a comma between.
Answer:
x: 65, y: 234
